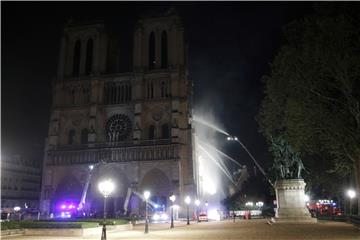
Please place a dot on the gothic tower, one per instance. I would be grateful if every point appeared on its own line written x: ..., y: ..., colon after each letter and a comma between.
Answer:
x: 133, y: 127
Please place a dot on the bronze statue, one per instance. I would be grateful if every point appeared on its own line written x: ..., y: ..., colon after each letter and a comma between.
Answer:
x: 287, y: 163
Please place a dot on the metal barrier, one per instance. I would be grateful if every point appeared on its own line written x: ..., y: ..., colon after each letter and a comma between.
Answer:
x: 355, y: 220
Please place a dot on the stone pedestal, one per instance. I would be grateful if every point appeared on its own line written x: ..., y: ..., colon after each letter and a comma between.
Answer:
x: 291, y: 206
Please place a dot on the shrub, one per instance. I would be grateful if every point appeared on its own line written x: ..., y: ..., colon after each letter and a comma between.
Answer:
x: 10, y: 225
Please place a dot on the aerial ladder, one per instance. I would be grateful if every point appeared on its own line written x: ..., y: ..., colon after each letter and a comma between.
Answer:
x: 130, y: 191
x: 86, y: 187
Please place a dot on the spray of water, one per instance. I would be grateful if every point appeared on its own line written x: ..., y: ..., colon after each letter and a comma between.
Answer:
x: 212, y: 172
x: 210, y: 125
x: 222, y: 153
x: 225, y: 171
x: 201, y: 121
x: 256, y: 163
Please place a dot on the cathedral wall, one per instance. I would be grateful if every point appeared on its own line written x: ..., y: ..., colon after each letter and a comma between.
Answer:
x: 138, y: 122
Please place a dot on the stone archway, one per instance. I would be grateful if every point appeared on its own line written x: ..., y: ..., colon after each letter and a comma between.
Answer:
x: 69, y: 191
x: 158, y: 184
x: 115, y: 202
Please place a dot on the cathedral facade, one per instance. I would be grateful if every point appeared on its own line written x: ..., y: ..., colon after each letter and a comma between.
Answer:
x: 131, y: 127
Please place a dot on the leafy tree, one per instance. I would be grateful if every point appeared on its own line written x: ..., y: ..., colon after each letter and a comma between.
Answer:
x: 312, y: 96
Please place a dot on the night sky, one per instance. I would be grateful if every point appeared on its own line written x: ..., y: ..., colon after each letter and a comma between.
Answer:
x: 230, y: 48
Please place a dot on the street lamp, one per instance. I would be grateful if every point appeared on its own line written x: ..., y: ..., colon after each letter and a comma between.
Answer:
x: 106, y: 188
x: 187, y: 201
x: 351, y: 194
x: 172, y: 199
x: 259, y: 204
x: 146, y: 196
x: 17, y: 210
x: 206, y: 205
x: 197, y: 203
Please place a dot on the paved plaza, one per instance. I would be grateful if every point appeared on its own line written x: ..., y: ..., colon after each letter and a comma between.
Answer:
x: 242, y: 229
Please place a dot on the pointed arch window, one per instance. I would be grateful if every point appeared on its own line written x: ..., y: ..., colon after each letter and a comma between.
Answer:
x: 76, y: 60
x: 72, y: 96
x: 151, y: 90
x: 152, y: 51
x: 164, y: 50
x: 165, y: 134
x: 89, y: 56
x: 84, y: 136
x: 151, y: 132
x: 130, y: 94
x: 163, y: 89
x: 71, y: 136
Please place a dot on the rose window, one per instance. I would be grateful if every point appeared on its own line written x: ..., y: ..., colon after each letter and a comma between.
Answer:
x: 118, y: 127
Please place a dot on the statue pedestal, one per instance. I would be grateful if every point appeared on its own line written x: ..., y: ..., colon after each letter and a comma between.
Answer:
x: 291, y: 206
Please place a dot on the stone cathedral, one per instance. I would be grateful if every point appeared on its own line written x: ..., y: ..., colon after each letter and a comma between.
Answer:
x: 133, y: 127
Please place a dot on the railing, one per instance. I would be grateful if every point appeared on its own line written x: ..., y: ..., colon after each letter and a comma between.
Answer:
x: 112, y: 144
x: 355, y: 220
x: 112, y: 153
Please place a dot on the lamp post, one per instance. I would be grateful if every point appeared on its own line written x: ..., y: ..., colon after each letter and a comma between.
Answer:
x: 197, y: 203
x: 106, y: 188
x: 172, y: 199
x: 206, y: 205
x: 351, y: 194
x: 187, y: 201
x: 17, y: 210
x: 146, y: 196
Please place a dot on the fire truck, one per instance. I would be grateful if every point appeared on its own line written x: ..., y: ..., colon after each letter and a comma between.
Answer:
x: 323, y: 207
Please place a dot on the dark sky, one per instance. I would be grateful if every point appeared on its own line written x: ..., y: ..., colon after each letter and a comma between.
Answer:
x: 230, y: 47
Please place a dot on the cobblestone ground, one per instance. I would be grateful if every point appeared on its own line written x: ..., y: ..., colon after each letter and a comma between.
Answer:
x: 249, y: 230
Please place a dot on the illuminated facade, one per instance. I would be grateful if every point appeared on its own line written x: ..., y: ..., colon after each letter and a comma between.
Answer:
x: 134, y: 127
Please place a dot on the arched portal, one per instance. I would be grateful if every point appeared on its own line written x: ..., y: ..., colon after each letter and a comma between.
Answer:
x: 159, y: 186
x: 68, y: 192
x: 115, y: 202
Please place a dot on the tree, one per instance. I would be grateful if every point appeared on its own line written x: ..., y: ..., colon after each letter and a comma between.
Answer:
x: 312, y: 95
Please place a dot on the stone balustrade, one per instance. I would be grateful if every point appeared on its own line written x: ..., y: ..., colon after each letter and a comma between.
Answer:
x: 111, y: 153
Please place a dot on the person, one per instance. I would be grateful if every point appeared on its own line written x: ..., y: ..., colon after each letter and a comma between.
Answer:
x: 271, y: 221
x: 234, y: 216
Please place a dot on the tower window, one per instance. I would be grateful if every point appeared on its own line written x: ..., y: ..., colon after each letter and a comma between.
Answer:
x: 151, y: 132
x: 84, y: 136
x: 152, y: 51
x: 76, y: 63
x: 151, y: 90
x: 163, y: 89
x: 164, y: 52
x: 89, y: 56
x: 130, y: 96
x: 71, y: 137
x: 117, y: 93
x: 72, y: 100
x: 165, y: 131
